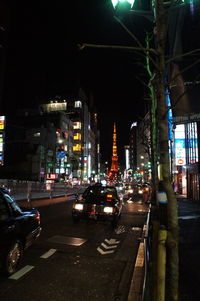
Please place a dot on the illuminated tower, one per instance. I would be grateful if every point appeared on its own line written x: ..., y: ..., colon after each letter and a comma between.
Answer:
x: 114, y: 166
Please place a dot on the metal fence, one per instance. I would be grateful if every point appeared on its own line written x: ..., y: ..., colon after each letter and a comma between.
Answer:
x: 26, y: 190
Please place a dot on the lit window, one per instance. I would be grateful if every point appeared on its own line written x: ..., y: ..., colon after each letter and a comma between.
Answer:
x: 78, y: 104
x: 77, y: 148
x: 77, y: 125
x: 36, y: 134
x: 77, y: 136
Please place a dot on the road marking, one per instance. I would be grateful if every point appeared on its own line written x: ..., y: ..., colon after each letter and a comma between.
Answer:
x: 136, y: 229
x: 104, y: 252
x: 112, y: 241
x: 112, y: 244
x: 120, y: 229
x: 21, y: 272
x: 48, y: 253
x: 107, y: 247
x: 67, y: 240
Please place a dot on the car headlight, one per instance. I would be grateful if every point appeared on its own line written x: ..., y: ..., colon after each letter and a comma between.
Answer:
x: 140, y: 191
x: 108, y: 209
x: 78, y: 206
x: 130, y: 191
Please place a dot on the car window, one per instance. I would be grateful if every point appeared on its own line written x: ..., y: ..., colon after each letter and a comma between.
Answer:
x: 98, y: 193
x: 4, y: 213
x: 12, y: 203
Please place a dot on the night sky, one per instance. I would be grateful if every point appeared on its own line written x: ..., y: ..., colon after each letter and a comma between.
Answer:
x: 43, y: 60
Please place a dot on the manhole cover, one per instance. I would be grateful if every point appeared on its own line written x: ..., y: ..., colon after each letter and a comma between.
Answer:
x: 67, y: 240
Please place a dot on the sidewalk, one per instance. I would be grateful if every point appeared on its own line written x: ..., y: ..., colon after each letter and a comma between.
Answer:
x: 189, y: 249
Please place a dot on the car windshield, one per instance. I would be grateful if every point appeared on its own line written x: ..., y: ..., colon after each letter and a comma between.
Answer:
x: 99, y: 194
x: 12, y: 202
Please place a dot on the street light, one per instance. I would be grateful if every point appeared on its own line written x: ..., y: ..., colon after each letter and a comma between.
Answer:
x: 117, y: 2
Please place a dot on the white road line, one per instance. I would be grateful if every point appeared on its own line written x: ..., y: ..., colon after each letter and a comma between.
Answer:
x: 21, y: 272
x: 48, y: 253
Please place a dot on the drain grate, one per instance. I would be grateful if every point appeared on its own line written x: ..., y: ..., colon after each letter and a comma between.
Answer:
x: 67, y: 240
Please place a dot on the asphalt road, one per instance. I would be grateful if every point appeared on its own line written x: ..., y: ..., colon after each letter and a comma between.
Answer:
x: 78, y: 262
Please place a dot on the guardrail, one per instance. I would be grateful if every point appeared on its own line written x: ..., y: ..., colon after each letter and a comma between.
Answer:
x: 28, y: 190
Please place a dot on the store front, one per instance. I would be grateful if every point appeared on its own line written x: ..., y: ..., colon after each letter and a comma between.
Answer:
x: 186, y: 157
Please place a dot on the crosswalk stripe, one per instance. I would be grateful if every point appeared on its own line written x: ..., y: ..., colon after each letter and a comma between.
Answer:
x: 48, y: 253
x: 21, y: 272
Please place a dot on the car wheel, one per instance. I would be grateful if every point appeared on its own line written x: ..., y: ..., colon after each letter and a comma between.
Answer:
x: 13, y: 257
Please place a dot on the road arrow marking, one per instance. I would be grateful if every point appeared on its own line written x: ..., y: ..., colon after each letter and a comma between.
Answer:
x: 104, y: 252
x: 107, y: 247
x: 112, y: 241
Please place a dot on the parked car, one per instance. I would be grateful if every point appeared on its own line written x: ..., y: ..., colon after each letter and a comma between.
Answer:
x: 98, y: 202
x: 18, y: 230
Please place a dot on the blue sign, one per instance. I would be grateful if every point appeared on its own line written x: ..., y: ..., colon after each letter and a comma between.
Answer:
x: 60, y: 155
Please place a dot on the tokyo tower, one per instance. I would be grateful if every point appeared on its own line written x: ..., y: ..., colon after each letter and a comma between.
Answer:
x: 115, y: 165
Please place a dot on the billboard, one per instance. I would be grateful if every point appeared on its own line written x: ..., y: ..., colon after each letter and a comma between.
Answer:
x: 180, y: 153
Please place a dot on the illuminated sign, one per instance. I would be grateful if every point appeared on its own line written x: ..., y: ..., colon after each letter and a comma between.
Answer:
x: 55, y: 106
x: 52, y: 176
x: 2, y: 134
x: 180, y: 151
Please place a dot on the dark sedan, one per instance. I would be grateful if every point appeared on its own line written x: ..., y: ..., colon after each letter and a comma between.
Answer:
x: 98, y: 202
x: 18, y: 229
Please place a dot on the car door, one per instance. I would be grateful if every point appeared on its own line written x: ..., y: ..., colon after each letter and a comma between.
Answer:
x: 7, y: 226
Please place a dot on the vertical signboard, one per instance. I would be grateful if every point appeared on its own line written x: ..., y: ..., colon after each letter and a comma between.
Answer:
x: 2, y: 135
x: 180, y: 153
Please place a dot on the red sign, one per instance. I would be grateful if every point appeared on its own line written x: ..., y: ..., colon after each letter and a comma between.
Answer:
x: 180, y: 161
x: 52, y: 176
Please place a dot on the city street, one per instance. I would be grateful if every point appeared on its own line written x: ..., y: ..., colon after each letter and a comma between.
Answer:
x: 84, y: 261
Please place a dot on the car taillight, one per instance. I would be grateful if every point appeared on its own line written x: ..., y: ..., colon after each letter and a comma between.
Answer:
x: 38, y: 217
x: 109, y: 197
x: 93, y: 209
